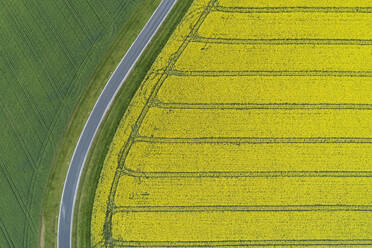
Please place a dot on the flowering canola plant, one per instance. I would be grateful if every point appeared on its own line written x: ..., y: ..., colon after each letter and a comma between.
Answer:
x: 252, y: 128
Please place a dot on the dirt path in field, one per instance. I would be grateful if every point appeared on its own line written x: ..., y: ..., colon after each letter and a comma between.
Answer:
x: 42, y: 231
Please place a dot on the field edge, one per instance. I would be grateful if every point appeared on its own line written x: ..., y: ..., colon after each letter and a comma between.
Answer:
x: 53, y: 191
x: 100, y: 146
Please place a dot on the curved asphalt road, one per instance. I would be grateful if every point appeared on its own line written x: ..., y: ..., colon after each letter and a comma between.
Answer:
x: 103, y: 103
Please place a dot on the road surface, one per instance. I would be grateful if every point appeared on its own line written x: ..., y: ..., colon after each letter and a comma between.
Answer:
x: 103, y: 103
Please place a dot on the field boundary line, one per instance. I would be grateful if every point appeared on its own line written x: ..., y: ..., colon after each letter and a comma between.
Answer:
x: 288, y: 41
x: 247, y: 174
x: 243, y: 208
x: 261, y: 106
x: 361, y: 10
x: 255, y: 140
x: 317, y: 73
x: 258, y: 243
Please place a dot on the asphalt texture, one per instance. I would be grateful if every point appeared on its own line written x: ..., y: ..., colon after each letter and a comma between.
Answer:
x: 66, y: 213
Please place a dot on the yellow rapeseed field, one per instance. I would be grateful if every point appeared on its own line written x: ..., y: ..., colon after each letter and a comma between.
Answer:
x: 279, y: 26
x: 252, y: 128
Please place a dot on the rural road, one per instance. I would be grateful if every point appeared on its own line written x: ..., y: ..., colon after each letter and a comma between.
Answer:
x: 70, y: 188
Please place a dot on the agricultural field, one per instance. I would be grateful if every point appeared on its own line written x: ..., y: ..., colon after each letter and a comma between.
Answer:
x: 49, y: 53
x: 252, y: 128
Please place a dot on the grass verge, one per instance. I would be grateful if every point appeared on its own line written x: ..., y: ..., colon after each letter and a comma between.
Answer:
x: 100, y: 147
x: 54, y: 188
